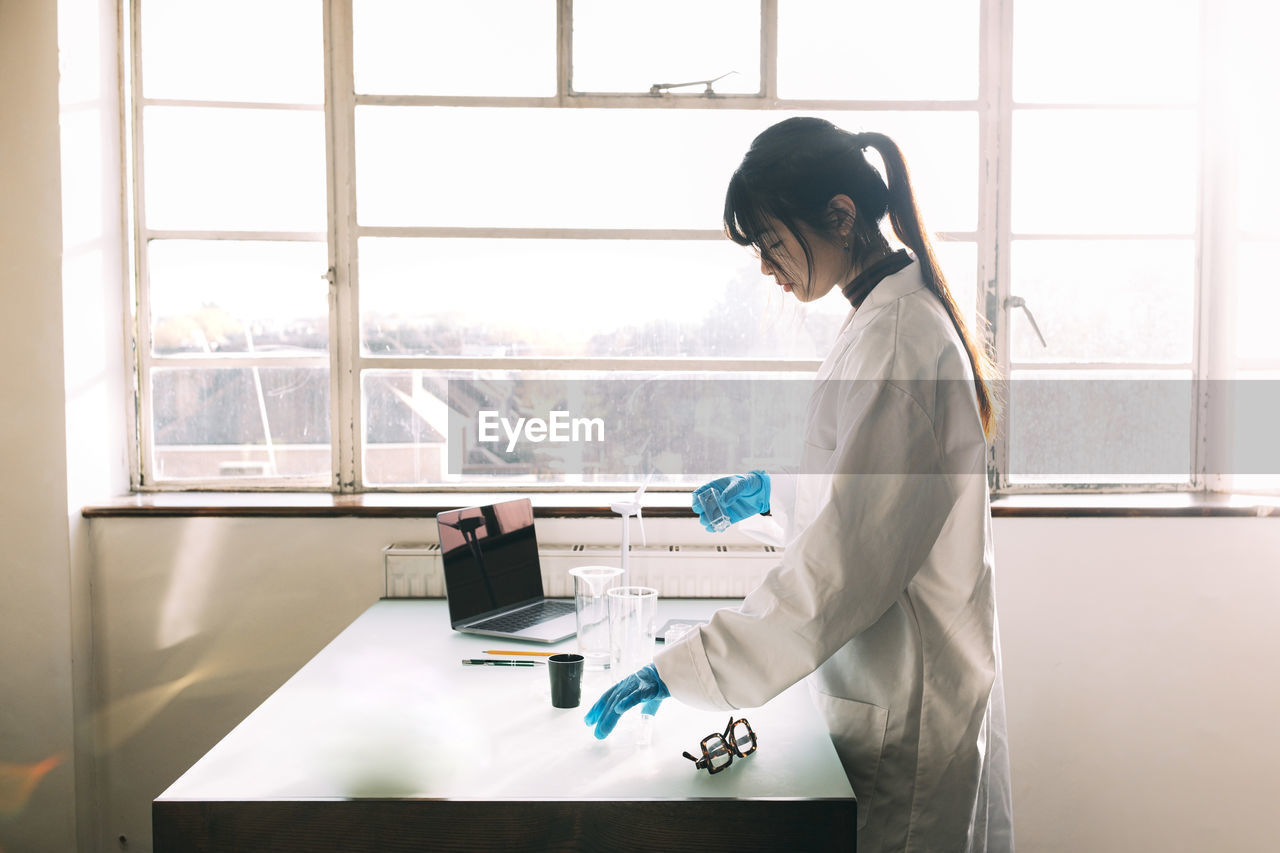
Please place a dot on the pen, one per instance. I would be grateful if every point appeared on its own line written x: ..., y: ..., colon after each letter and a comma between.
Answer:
x: 510, y: 652
x: 487, y: 662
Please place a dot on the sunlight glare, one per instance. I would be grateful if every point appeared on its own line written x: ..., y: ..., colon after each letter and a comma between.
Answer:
x: 19, y: 781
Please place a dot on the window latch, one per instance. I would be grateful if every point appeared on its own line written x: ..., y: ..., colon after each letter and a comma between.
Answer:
x: 330, y: 275
x: 665, y: 88
x: 1019, y: 302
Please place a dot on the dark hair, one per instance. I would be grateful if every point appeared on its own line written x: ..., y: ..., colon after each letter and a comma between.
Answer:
x: 790, y: 174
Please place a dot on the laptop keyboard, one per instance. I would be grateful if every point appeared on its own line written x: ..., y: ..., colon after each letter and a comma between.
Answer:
x: 541, y: 612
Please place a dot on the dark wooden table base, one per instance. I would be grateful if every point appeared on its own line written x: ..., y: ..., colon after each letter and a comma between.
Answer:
x: 386, y: 826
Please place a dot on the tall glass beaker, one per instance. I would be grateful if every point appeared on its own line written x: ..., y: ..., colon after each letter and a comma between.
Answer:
x: 633, y: 623
x: 590, y: 585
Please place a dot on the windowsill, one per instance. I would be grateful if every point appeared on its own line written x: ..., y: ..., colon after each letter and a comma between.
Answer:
x: 656, y: 505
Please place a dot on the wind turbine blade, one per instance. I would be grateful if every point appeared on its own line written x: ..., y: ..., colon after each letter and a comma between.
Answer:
x: 643, y: 486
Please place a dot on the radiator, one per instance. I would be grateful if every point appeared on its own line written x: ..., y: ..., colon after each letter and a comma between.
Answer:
x: 413, y: 570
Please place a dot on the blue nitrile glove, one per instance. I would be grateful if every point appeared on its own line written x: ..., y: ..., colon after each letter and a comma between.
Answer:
x: 643, y: 685
x: 741, y: 495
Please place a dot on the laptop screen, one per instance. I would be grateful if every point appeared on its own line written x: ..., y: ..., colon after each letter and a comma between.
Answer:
x: 490, y: 557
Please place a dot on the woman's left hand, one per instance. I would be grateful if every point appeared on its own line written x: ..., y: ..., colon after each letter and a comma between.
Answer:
x: 643, y: 685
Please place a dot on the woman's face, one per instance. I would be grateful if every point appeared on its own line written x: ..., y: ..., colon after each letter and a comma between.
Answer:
x: 784, y: 259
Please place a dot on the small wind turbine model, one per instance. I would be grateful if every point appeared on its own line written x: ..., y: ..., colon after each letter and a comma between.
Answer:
x: 626, y: 509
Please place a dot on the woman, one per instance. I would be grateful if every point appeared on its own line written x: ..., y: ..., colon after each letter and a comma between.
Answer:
x: 884, y: 597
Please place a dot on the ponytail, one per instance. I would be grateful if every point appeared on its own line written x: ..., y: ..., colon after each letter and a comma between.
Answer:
x: 904, y: 215
x: 790, y: 174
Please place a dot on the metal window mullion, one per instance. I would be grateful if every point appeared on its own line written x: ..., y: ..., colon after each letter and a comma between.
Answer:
x: 234, y: 361
x: 256, y: 484
x: 508, y: 233
x: 995, y: 117
x: 564, y: 52
x: 631, y: 101
x: 1119, y: 107
x: 128, y: 134
x: 1044, y: 366
x: 230, y: 105
x: 1215, y: 293
x: 1033, y: 488
x: 769, y: 50
x: 141, y: 356
x: 1116, y: 236
x: 344, y: 329
x: 449, y: 231
x: 272, y: 236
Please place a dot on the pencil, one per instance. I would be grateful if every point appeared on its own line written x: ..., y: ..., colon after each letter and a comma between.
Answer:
x: 510, y: 652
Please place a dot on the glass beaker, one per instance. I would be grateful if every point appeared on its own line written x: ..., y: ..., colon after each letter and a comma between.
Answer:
x: 713, y: 509
x: 633, y: 618
x: 590, y: 583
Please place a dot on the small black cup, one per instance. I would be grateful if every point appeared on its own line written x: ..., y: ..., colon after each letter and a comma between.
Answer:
x: 566, y: 680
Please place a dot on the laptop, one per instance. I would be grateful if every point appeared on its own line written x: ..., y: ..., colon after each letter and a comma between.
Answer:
x: 492, y: 578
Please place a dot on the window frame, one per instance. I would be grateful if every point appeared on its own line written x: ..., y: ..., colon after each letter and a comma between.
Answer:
x: 993, y: 108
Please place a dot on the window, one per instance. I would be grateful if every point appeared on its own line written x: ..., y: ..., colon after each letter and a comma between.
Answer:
x: 358, y: 220
x: 1102, y: 244
x: 233, y: 326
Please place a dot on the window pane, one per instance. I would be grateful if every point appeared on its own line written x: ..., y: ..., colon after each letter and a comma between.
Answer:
x: 1106, y: 51
x: 628, y: 47
x: 241, y: 422
x: 253, y: 169
x: 433, y: 47
x: 960, y: 267
x: 1251, y: 458
x: 238, y: 296
x: 1258, y: 301
x: 1104, y: 301
x: 1099, y: 426
x: 612, y: 168
x: 1258, y: 180
x: 425, y: 426
x: 661, y: 298
x: 406, y: 426
x: 234, y: 50
x: 1104, y: 172
x: 941, y: 152
x: 541, y: 167
x: 823, y: 54
x: 1253, y: 91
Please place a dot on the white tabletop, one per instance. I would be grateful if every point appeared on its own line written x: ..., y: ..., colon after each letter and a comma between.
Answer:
x: 387, y: 710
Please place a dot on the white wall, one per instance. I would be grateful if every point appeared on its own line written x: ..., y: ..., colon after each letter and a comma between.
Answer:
x: 62, y: 388
x: 1139, y: 658
x: 93, y: 319
x: 35, y: 600
x: 1140, y: 661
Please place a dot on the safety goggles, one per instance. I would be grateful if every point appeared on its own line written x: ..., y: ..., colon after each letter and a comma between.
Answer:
x: 719, y: 748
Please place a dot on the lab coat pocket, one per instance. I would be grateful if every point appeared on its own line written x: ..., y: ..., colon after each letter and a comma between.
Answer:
x: 858, y: 731
x: 815, y: 458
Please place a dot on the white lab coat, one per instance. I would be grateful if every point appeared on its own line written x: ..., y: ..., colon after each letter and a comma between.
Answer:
x: 884, y: 596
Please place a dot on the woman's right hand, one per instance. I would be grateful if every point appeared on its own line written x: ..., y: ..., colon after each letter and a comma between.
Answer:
x: 740, y: 495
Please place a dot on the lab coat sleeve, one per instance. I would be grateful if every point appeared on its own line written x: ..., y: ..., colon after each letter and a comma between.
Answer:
x: 889, y: 498
x: 774, y: 528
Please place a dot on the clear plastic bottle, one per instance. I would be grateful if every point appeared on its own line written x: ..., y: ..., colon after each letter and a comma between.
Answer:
x: 714, y: 510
